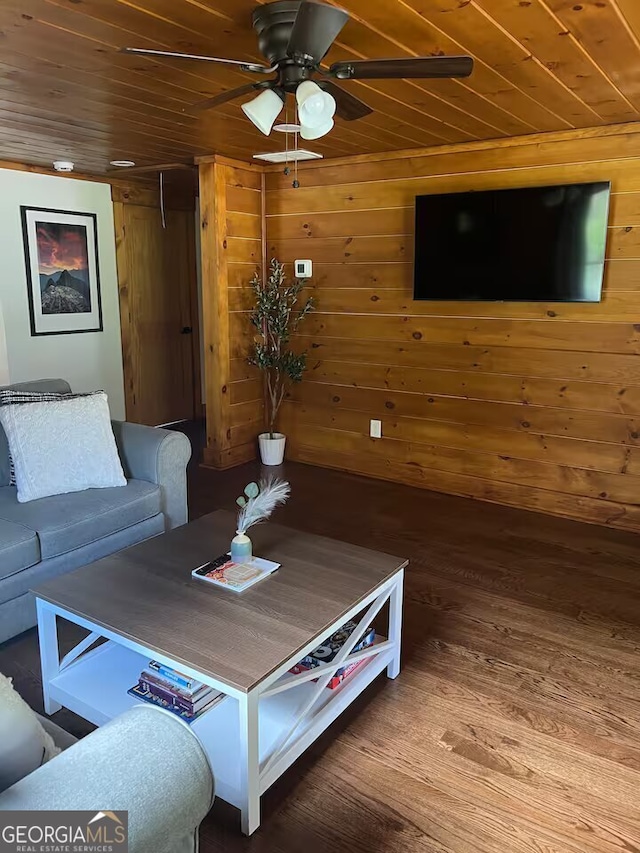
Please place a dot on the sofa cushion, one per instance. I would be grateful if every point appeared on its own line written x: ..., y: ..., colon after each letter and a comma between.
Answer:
x: 61, y: 737
x: 24, y: 743
x: 17, y: 605
x: 66, y: 522
x: 19, y: 548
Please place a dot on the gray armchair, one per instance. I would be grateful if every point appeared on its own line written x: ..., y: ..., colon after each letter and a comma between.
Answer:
x: 46, y: 537
x: 146, y: 762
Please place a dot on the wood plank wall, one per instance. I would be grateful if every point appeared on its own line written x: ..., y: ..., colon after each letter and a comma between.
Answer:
x: 231, y: 216
x: 533, y: 405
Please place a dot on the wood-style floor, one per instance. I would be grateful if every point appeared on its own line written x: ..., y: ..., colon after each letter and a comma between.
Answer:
x: 514, y: 726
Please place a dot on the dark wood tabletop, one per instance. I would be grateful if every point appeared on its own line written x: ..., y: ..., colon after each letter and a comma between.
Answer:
x: 146, y: 593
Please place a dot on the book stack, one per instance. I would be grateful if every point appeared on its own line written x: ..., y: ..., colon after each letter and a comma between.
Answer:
x: 166, y: 687
x: 330, y: 647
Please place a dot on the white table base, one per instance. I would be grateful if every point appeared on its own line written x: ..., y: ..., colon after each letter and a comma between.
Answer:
x: 250, y: 738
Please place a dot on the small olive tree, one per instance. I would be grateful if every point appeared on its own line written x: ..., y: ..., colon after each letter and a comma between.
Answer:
x: 276, y: 316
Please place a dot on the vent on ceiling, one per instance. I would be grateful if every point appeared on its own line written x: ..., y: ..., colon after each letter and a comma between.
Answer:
x: 288, y: 156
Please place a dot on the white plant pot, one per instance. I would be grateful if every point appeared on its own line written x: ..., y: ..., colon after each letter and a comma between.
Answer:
x: 272, y: 449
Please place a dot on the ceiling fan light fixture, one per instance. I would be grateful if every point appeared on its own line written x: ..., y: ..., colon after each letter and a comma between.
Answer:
x: 316, y: 132
x: 315, y: 107
x: 264, y: 110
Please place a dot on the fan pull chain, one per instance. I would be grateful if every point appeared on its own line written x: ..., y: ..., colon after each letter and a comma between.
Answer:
x: 287, y: 171
x: 162, y: 216
x: 296, y: 182
x: 286, y: 140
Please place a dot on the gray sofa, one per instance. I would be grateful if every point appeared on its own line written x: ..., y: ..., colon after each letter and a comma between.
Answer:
x: 47, y: 537
x: 146, y: 762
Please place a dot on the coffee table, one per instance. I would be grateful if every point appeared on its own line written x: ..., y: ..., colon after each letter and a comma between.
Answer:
x: 143, y: 604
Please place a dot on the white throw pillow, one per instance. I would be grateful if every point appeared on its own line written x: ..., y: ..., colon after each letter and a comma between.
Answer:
x: 24, y: 744
x: 15, y: 395
x: 61, y: 446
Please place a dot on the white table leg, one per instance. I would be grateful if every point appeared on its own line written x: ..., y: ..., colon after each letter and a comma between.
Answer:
x: 395, y: 625
x: 250, y: 762
x: 49, y: 652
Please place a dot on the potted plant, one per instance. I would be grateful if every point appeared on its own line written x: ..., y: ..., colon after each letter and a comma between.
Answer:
x: 276, y: 316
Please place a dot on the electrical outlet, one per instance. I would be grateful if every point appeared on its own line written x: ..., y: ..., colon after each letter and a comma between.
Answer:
x: 375, y: 429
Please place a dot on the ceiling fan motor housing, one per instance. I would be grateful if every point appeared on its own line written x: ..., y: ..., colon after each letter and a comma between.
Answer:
x: 273, y: 23
x: 291, y: 74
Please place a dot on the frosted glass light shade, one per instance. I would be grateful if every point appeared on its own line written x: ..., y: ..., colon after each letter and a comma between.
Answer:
x: 264, y: 110
x: 316, y: 132
x: 315, y: 107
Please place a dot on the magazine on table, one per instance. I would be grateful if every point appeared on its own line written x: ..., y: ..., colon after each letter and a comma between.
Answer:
x: 237, y: 576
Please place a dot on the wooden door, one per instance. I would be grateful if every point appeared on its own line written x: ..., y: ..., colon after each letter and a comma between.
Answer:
x: 158, y: 306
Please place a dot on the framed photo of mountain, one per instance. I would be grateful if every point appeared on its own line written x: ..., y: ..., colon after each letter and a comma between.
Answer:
x: 63, y: 276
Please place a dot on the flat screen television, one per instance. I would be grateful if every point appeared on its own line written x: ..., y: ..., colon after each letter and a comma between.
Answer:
x: 537, y: 244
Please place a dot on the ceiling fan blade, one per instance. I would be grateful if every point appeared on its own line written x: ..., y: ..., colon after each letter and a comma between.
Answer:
x: 254, y: 67
x: 229, y: 95
x: 315, y: 29
x: 348, y: 107
x: 418, y: 67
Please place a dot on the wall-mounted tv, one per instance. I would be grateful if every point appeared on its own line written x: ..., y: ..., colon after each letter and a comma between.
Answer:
x: 537, y: 244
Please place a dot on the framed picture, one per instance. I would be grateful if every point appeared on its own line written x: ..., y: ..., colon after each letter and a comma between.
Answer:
x: 63, y: 277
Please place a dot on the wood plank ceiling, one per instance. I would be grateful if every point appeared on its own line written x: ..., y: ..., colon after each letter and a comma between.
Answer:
x: 541, y: 65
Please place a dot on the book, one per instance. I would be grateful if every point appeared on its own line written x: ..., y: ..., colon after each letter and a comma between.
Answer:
x: 228, y: 574
x: 191, y: 704
x: 329, y: 648
x: 337, y: 678
x: 186, y: 692
x: 139, y: 693
x: 174, y: 676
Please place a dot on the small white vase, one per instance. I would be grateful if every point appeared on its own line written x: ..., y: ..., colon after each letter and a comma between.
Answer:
x: 241, y: 548
x: 272, y: 449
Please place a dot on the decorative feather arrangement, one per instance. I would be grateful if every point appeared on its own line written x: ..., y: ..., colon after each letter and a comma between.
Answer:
x: 260, y: 501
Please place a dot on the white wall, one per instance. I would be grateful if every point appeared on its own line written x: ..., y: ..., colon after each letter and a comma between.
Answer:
x: 87, y: 361
x: 4, y: 358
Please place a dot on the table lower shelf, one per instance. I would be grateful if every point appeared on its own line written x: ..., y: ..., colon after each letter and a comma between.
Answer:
x: 95, y: 687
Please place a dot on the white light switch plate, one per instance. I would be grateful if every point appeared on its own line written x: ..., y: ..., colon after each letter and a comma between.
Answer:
x: 375, y: 429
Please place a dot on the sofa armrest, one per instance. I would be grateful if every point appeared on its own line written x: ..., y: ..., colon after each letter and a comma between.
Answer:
x: 147, y: 762
x: 158, y: 456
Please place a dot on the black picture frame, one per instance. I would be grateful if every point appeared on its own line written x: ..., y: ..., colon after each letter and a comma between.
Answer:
x: 86, y: 281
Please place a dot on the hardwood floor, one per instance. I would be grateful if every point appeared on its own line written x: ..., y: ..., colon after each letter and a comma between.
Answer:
x: 514, y: 726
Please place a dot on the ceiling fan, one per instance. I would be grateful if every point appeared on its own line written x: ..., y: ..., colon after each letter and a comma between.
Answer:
x: 294, y: 36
